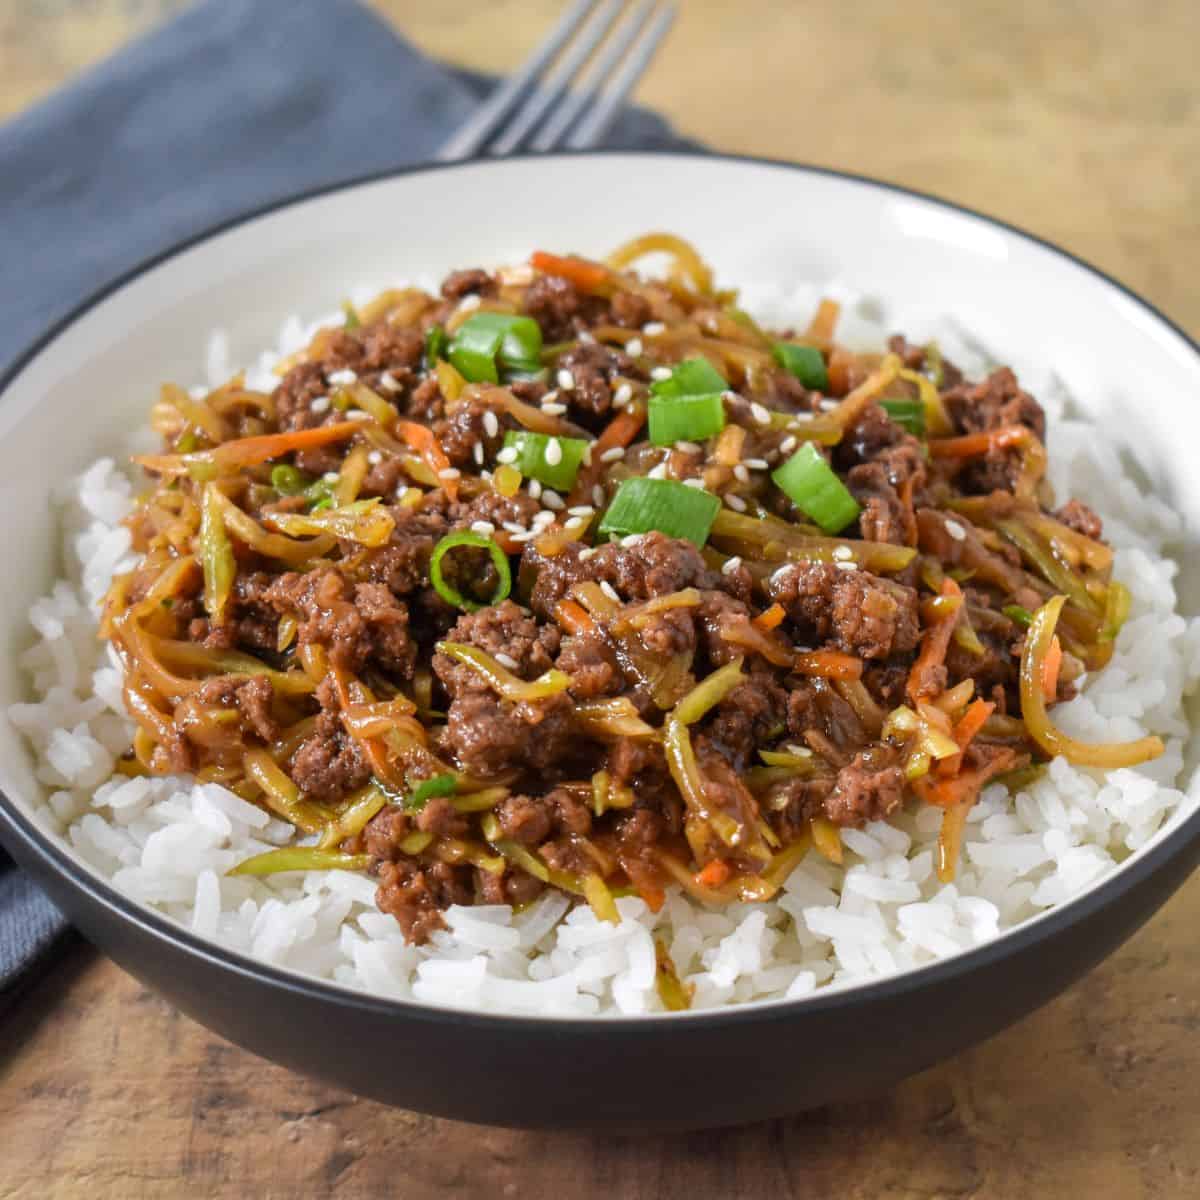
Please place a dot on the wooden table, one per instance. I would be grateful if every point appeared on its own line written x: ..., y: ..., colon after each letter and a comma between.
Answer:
x: 1077, y: 120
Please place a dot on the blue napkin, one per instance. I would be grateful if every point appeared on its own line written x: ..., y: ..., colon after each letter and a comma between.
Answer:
x: 233, y: 104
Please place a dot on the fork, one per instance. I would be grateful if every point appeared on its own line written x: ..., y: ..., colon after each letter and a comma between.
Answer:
x: 539, y: 110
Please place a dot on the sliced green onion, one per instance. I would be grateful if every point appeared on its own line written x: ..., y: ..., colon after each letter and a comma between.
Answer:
x: 301, y: 858
x: 1018, y: 614
x: 554, y: 461
x: 438, y: 785
x: 288, y: 481
x: 685, y: 418
x: 451, y: 595
x: 352, y: 318
x: 809, y: 481
x: 319, y: 494
x: 488, y: 339
x: 187, y: 443
x: 642, y: 505
x: 435, y: 345
x: 805, y: 362
x: 692, y: 377
x: 907, y: 413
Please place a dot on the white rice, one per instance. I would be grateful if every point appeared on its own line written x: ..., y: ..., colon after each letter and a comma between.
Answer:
x: 168, y: 842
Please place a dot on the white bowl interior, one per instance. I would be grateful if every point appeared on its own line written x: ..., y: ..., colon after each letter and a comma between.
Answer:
x: 774, y: 226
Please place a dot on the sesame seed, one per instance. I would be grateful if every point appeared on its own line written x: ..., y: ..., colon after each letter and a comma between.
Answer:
x: 661, y: 373
x: 741, y: 473
x: 375, y: 457
x: 654, y: 328
x: 760, y: 414
x: 956, y: 531
x: 330, y: 477
x: 477, y: 453
x: 695, y: 482
x: 357, y: 414
x: 588, y: 339
x: 491, y: 424
x: 553, y: 409
x: 788, y: 444
x: 535, y: 489
x: 846, y: 566
x: 320, y: 404
x: 657, y: 472
x: 468, y: 303
x: 587, y: 553
x: 798, y: 751
x: 631, y: 539
x: 597, y: 495
x: 389, y: 382
x: 581, y: 510
x: 689, y: 447
x: 528, y: 535
x: 551, y: 499
x: 828, y: 405
x: 450, y: 473
x: 484, y: 527
x: 623, y: 395
x: 543, y: 518
x: 842, y: 552
x: 634, y: 347
x: 505, y: 660
x: 802, y: 417
x: 756, y: 464
x: 565, y: 380
x: 507, y: 455
x: 587, y: 455
x: 780, y: 572
x: 735, y: 502
x: 553, y: 452
x: 513, y: 527
x: 342, y: 377
x: 613, y: 454
x: 730, y: 565
x: 520, y: 274
x: 803, y: 649
x: 610, y: 591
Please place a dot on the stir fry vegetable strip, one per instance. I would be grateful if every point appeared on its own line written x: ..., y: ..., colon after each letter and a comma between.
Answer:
x: 1033, y: 705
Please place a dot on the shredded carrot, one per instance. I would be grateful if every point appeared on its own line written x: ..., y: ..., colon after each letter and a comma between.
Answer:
x: 968, y: 725
x: 654, y: 897
x: 828, y: 664
x: 972, y: 721
x: 247, y: 452
x: 966, y: 785
x: 573, y: 617
x: 590, y: 276
x: 934, y: 644
x: 1051, y: 668
x: 973, y: 445
x: 421, y: 439
x: 771, y: 617
x: 620, y: 431
x: 713, y: 874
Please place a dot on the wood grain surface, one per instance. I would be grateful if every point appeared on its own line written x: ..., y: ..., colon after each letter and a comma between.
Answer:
x: 1080, y: 121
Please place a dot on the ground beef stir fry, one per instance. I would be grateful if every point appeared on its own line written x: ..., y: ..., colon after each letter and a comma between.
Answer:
x: 568, y: 578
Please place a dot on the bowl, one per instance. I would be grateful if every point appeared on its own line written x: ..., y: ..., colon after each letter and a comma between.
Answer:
x: 88, y: 379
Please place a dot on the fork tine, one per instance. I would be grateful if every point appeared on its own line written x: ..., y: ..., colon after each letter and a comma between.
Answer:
x: 595, y: 123
x: 555, y: 84
x: 598, y: 70
x: 475, y: 131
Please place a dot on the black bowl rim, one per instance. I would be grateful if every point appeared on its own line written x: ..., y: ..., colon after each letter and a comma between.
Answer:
x: 1026, y: 936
